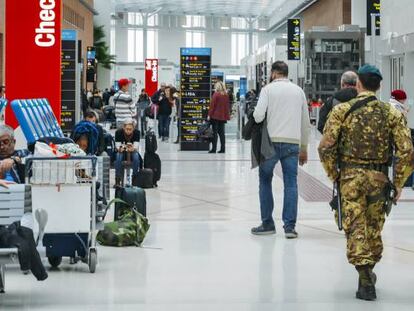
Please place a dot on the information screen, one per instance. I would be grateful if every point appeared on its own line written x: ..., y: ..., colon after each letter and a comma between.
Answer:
x: 195, y: 79
x: 69, y: 52
x: 293, y: 39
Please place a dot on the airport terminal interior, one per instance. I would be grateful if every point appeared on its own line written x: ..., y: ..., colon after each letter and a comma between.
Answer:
x: 130, y: 156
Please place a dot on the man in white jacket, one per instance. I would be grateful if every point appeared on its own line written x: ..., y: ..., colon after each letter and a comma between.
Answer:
x: 285, y: 106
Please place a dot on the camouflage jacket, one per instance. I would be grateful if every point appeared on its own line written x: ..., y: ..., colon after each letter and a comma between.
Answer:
x: 334, y: 137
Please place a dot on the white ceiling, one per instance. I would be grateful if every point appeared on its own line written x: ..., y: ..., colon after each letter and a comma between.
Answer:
x: 264, y: 8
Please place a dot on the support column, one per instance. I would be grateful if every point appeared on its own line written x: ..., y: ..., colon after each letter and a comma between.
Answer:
x: 145, y: 36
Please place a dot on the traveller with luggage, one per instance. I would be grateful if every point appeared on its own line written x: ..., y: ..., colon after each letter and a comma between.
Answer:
x: 283, y: 108
x: 142, y: 104
x: 127, y: 143
x: 219, y: 114
x: 163, y: 101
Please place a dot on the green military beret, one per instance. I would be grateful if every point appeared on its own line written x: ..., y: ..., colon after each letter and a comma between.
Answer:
x: 369, y: 69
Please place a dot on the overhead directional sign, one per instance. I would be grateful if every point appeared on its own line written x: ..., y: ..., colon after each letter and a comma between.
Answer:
x: 293, y: 38
x: 374, y: 8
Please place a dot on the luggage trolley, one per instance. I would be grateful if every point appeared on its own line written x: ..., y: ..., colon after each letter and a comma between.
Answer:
x: 66, y: 189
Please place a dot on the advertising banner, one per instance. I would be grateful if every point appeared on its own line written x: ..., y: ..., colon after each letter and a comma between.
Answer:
x: 33, y: 53
x: 151, y: 76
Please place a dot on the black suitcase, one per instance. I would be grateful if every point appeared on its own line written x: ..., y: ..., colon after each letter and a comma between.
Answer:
x: 134, y: 196
x: 144, y: 179
x: 153, y: 162
x: 151, y: 144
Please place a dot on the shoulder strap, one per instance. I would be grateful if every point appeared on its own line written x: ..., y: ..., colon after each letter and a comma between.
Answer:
x: 116, y: 100
x: 359, y: 105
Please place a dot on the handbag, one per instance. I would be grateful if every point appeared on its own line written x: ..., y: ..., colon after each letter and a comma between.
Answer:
x: 205, y: 132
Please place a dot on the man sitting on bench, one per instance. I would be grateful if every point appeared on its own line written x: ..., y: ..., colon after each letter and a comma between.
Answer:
x: 11, y: 166
x: 18, y: 234
x: 127, y: 142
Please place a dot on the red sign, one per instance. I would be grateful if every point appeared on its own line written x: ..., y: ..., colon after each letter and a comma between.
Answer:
x: 151, y: 76
x: 33, y: 52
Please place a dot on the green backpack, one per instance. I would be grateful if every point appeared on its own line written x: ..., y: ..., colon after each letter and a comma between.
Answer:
x: 129, y: 230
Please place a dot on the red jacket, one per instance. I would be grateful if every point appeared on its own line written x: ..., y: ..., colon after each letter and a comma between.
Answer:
x: 219, y: 107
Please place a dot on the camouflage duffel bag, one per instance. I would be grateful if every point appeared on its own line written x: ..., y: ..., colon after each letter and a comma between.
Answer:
x: 129, y: 230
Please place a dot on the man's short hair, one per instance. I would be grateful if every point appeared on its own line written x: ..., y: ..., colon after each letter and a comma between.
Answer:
x: 91, y: 114
x: 5, y: 129
x: 370, y: 81
x: 349, y: 78
x: 128, y: 121
x: 281, y: 68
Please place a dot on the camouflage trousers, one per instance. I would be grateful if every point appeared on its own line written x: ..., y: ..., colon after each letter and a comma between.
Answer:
x: 363, y: 215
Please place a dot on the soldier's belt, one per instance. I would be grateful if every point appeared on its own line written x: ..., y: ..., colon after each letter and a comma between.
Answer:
x: 383, y: 168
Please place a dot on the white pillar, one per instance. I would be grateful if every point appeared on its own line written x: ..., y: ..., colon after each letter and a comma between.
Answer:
x: 105, y: 8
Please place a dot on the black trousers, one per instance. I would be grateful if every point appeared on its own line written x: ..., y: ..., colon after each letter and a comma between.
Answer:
x: 218, y: 130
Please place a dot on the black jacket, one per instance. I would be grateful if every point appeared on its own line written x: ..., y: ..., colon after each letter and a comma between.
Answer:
x: 163, y: 104
x: 342, y: 96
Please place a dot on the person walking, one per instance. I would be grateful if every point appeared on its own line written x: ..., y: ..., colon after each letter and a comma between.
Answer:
x: 124, y: 106
x: 347, y: 92
x: 164, y: 111
x: 356, y: 151
x: 143, y: 102
x: 219, y: 114
x: 284, y: 105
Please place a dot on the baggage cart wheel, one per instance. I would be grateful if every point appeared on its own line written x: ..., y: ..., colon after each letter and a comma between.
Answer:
x: 92, y: 260
x: 54, y: 261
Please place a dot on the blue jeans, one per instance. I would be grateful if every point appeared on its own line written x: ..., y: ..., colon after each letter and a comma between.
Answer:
x: 120, y: 157
x: 288, y: 155
x: 164, y: 125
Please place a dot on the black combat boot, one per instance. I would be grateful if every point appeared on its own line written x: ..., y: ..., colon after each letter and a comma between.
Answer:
x: 366, y: 283
x: 372, y: 274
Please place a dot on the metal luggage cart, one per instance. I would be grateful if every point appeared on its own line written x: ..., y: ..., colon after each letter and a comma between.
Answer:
x: 66, y: 189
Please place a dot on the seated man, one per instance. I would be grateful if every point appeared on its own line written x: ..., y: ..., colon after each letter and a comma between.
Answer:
x: 11, y: 166
x: 91, y: 116
x: 19, y: 234
x: 127, y: 141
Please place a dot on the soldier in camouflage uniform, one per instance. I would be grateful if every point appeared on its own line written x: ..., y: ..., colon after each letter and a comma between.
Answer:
x: 356, y: 151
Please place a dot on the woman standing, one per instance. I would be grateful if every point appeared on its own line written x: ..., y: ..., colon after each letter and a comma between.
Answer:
x: 164, y: 114
x: 219, y: 114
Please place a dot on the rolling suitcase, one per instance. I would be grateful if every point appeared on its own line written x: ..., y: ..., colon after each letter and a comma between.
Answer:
x: 144, y: 179
x: 134, y: 197
x: 152, y: 161
x: 151, y: 144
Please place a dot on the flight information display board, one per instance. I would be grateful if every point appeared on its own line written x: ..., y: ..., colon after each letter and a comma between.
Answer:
x: 69, y: 63
x: 293, y: 39
x: 195, y: 69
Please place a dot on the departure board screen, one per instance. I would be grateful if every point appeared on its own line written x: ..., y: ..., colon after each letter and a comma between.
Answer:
x: 69, y: 52
x: 195, y: 68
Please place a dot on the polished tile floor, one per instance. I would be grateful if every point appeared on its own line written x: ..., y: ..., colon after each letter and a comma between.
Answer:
x: 200, y: 255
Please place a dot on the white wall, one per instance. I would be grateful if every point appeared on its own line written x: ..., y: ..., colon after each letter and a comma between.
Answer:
x: 397, y: 39
x: 220, y: 42
x: 169, y: 44
x: 359, y: 13
x: 397, y: 16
